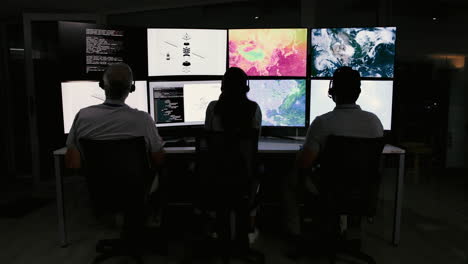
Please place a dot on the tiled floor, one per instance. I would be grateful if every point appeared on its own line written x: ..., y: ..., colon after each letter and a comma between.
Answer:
x: 434, y: 230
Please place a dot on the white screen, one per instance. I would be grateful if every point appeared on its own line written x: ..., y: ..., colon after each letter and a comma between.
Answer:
x: 81, y: 94
x: 375, y: 97
x: 186, y: 52
x: 196, y: 97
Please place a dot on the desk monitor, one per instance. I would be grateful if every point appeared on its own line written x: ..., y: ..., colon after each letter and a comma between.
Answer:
x: 371, y: 51
x: 269, y: 52
x: 186, y: 51
x: 376, y: 97
x: 80, y: 94
x: 283, y: 102
x: 182, y: 103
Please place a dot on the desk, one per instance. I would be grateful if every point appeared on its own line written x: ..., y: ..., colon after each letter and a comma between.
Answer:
x: 265, y: 146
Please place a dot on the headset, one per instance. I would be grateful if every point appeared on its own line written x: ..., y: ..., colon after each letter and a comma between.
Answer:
x: 247, y: 86
x: 331, y: 91
x: 101, y: 82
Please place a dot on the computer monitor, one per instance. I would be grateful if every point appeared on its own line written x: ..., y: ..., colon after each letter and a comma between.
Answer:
x: 371, y: 51
x: 269, y: 52
x: 87, y: 49
x: 183, y: 103
x: 80, y: 94
x: 283, y: 102
x: 376, y: 97
x: 186, y: 51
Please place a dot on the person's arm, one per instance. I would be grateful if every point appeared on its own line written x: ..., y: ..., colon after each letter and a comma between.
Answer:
x: 306, y: 158
x: 209, y: 116
x: 72, y: 158
x: 310, y: 152
x: 258, y: 120
x: 156, y: 144
x: 157, y: 158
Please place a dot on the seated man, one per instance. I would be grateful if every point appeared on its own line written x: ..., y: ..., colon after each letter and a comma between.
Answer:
x: 114, y: 119
x: 347, y: 119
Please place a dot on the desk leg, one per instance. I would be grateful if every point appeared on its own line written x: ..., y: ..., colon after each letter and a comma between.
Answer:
x: 398, y: 200
x: 60, y: 202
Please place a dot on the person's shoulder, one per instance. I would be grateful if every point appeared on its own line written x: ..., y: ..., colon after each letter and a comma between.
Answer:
x: 211, y: 105
x: 325, y: 116
x: 89, y: 110
x: 370, y: 115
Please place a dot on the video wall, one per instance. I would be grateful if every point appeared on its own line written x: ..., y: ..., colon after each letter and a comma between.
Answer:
x: 289, y: 69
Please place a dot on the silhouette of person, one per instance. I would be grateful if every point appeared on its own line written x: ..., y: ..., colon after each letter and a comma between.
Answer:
x: 233, y: 111
x: 346, y: 119
x: 114, y: 119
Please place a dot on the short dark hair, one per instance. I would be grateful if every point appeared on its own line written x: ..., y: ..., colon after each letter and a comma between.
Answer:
x: 347, y: 84
x: 117, y: 80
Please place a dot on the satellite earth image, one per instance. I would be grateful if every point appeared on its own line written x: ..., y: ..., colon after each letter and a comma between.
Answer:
x: 371, y: 51
x: 283, y: 102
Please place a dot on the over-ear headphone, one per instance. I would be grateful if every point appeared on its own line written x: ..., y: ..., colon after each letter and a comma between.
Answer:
x: 246, y: 88
x: 331, y: 91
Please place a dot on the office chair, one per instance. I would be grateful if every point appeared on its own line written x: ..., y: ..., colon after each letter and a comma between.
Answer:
x: 226, y: 184
x: 349, y: 180
x: 117, y: 172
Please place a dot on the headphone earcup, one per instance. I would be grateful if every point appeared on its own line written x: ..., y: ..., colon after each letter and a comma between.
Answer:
x: 101, y: 84
x: 331, y: 92
x: 132, y: 88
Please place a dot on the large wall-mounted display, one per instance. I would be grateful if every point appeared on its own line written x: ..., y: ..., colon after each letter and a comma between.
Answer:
x: 283, y: 102
x: 80, y: 94
x: 376, y: 97
x: 371, y: 51
x: 269, y: 52
x: 186, y: 52
x: 87, y: 49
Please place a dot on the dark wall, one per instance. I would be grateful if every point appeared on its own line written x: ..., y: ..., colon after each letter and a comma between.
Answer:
x: 273, y: 13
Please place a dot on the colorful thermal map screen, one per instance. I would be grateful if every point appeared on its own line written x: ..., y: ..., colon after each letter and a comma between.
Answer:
x: 269, y: 52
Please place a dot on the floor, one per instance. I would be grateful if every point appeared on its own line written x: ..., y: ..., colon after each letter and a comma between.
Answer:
x: 434, y: 230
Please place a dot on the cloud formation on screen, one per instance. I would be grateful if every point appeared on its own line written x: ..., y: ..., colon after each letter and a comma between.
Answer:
x: 269, y: 52
x: 371, y: 51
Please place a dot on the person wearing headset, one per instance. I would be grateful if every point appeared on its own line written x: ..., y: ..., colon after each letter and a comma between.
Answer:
x: 346, y: 119
x: 234, y: 111
x: 114, y: 119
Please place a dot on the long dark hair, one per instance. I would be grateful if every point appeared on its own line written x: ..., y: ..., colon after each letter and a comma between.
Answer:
x: 234, y: 108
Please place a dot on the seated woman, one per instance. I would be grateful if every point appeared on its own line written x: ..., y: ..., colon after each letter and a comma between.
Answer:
x: 235, y: 112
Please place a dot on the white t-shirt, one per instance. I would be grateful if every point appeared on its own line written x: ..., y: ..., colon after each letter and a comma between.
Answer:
x: 345, y: 120
x: 114, y: 120
x: 213, y: 122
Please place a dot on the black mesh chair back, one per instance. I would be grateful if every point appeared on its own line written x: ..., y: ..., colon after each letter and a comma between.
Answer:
x: 228, y: 162
x: 349, y: 168
x: 116, y: 171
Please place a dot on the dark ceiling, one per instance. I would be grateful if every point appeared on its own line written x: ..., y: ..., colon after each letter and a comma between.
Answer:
x: 418, y: 8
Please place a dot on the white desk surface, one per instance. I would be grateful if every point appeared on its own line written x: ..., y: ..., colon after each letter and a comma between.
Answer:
x: 265, y: 145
